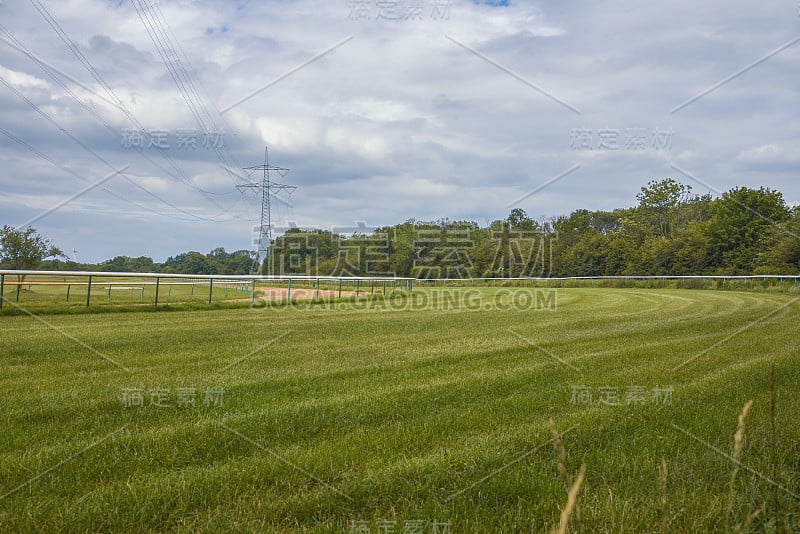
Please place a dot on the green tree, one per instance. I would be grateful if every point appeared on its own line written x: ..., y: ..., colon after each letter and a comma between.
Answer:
x: 126, y: 264
x: 190, y: 263
x: 24, y: 250
x: 658, y: 203
x: 740, y: 226
x: 518, y: 219
x: 692, y: 254
x: 782, y: 248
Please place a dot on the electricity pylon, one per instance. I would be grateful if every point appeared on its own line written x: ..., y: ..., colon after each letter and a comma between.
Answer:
x: 267, y: 188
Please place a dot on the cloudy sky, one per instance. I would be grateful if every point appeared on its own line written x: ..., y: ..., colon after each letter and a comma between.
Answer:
x: 383, y: 110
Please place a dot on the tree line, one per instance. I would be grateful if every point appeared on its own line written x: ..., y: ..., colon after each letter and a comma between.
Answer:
x: 26, y: 249
x: 670, y: 231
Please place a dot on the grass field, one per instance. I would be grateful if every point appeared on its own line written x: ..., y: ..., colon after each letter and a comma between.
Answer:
x: 403, y: 418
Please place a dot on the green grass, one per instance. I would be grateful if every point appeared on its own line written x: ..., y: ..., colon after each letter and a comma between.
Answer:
x: 385, y: 411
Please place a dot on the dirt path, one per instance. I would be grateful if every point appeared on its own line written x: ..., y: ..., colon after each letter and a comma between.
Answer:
x: 280, y: 293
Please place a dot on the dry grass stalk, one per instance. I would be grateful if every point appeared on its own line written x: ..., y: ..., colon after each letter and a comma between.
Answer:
x: 738, y: 437
x: 738, y: 446
x: 562, y: 454
x: 748, y: 521
x: 572, y: 499
x: 664, y: 507
x: 773, y: 401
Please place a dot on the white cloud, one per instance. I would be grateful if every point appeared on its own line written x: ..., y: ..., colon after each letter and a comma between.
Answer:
x: 288, y: 135
x: 22, y: 80
x: 768, y: 154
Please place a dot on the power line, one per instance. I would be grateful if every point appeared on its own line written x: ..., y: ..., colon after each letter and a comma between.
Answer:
x: 44, y: 157
x: 180, y: 62
x: 75, y: 50
x: 54, y: 75
x: 159, y: 33
x: 88, y: 149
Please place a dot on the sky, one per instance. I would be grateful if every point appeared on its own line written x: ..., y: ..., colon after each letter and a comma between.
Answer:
x: 125, y: 126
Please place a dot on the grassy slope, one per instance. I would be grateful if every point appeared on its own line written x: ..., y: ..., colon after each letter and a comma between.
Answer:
x: 397, y: 411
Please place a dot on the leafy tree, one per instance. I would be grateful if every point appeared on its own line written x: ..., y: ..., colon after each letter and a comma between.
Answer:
x: 621, y: 256
x: 742, y: 222
x: 519, y: 220
x: 24, y: 250
x: 782, y: 248
x: 190, y: 263
x: 692, y: 254
x: 239, y: 262
x: 125, y: 264
x: 658, y: 203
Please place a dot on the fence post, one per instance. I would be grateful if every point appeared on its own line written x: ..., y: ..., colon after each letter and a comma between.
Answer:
x: 2, y: 289
x: 317, y: 294
x: 289, y: 290
x: 340, y: 288
x: 210, y: 289
x: 253, y: 292
x: 68, y: 286
x: 157, y: 282
x: 88, y: 291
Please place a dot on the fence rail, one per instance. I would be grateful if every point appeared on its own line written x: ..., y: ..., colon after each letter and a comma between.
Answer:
x: 681, y: 280
x: 619, y: 277
x: 237, y: 284
x: 58, y: 285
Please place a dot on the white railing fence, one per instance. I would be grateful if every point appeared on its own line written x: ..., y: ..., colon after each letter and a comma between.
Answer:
x: 58, y: 285
x: 150, y: 288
